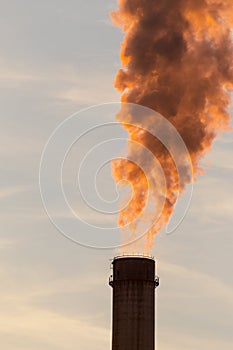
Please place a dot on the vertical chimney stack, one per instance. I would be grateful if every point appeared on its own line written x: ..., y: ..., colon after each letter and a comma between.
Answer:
x: 133, y: 320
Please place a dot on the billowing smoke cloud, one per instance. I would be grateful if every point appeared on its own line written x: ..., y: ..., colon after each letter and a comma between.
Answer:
x: 177, y: 59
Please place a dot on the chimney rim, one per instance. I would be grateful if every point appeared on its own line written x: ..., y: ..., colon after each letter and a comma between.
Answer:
x: 134, y: 256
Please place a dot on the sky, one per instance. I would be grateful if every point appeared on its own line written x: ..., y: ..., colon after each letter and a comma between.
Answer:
x: 58, y: 57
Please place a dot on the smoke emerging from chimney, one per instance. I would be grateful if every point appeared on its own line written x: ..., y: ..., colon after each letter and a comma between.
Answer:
x: 177, y: 59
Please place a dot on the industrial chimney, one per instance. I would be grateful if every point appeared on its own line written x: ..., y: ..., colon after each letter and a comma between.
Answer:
x: 133, y: 319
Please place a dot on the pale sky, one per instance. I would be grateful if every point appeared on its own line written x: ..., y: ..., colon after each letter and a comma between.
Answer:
x: 56, y: 58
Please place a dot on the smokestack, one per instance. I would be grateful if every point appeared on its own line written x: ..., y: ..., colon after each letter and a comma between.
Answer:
x: 133, y: 319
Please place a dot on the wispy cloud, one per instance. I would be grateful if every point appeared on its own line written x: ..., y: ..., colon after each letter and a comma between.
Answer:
x: 10, y: 191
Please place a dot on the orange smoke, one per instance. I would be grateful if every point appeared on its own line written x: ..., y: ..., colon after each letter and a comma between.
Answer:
x: 177, y: 59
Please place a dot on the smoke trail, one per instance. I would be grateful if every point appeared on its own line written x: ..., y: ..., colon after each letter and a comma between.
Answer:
x: 177, y: 59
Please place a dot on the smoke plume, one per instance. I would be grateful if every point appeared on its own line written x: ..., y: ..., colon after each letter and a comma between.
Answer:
x: 177, y: 59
